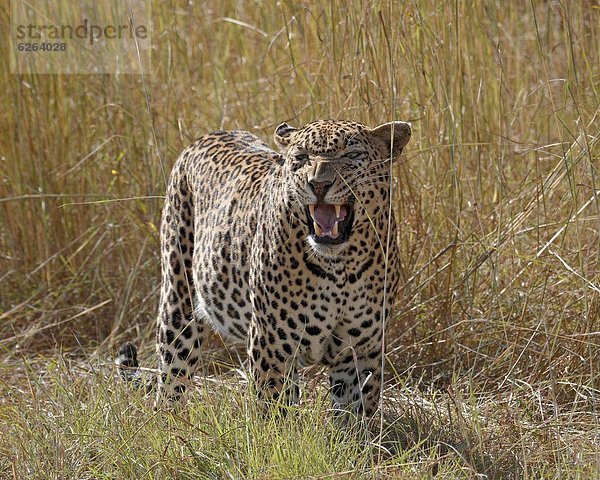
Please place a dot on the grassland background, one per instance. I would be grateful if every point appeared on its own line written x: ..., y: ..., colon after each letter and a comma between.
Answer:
x: 493, y: 350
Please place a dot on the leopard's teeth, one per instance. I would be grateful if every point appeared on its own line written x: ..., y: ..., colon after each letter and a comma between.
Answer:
x: 312, y: 210
x: 338, y: 208
x: 334, y: 230
x: 318, y: 229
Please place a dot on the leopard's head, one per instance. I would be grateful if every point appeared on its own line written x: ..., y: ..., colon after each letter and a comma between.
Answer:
x: 337, y: 173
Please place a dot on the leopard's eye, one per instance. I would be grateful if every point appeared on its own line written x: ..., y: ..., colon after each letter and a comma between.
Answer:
x: 353, y: 155
x: 299, y: 160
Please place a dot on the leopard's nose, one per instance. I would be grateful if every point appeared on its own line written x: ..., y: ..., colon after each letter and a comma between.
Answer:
x: 320, y: 188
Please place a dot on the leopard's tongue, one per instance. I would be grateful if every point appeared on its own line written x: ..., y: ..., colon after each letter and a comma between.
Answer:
x: 326, y: 217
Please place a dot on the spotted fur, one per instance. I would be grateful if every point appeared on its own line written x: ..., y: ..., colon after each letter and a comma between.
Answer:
x: 241, y: 254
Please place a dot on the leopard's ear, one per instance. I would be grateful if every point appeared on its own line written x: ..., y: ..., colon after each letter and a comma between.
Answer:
x: 283, y: 134
x: 391, y: 137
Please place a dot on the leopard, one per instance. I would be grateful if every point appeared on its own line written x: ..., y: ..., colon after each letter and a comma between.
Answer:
x: 290, y: 251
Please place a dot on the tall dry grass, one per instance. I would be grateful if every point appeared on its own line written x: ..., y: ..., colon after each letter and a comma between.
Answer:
x: 497, y: 193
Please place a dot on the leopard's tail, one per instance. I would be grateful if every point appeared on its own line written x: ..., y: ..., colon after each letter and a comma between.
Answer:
x: 129, y: 368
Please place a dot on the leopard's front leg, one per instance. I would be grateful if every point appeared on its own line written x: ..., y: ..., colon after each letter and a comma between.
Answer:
x: 273, y: 368
x: 355, y: 364
x: 355, y: 382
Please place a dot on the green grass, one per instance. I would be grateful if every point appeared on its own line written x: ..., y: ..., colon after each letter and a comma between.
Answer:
x: 493, y: 349
x: 73, y: 420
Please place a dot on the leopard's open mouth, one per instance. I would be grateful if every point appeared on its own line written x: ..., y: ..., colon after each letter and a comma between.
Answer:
x: 330, y: 224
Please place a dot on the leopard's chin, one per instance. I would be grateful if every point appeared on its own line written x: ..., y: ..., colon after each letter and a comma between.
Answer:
x: 329, y: 224
x: 330, y: 251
